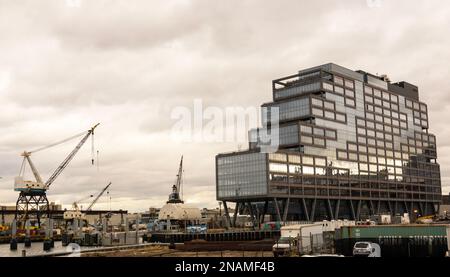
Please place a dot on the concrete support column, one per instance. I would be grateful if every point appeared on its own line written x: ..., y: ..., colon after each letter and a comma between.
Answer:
x: 378, y: 207
x: 277, y: 209
x: 286, y: 209
x: 358, y: 210
x: 313, y: 210
x: 390, y: 207
x: 336, y: 212
x: 266, y: 206
x: 227, y: 215
x: 330, y: 209
x: 372, y: 208
x: 236, y: 209
x: 406, y: 207
x: 352, y: 209
x: 305, y: 209
x: 252, y: 213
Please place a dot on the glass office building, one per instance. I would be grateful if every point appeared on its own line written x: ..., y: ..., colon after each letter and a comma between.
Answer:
x: 352, y: 145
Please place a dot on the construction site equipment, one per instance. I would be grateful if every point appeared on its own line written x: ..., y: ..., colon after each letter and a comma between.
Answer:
x: 98, y: 196
x: 76, y: 213
x: 426, y: 219
x: 174, y: 197
x: 32, y: 199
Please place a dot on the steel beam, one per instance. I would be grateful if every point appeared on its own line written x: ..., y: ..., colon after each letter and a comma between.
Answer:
x: 406, y: 207
x: 372, y: 208
x: 227, y: 215
x: 286, y: 209
x: 305, y: 209
x: 257, y: 214
x: 266, y: 206
x: 330, y: 209
x: 235, y: 213
x: 421, y: 209
x: 389, y: 207
x: 336, y: 212
x: 378, y: 207
x: 358, y: 210
x: 313, y: 210
x: 352, y: 209
x: 252, y: 213
x: 277, y: 208
x: 30, y: 204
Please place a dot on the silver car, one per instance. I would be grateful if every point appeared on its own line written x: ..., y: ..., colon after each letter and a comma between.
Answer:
x: 366, y: 249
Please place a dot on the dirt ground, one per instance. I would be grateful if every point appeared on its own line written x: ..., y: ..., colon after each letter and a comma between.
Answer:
x: 163, y: 251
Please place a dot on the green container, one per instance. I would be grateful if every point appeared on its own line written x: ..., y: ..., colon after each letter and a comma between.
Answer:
x: 376, y: 231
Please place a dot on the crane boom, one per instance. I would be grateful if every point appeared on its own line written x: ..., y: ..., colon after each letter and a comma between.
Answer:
x: 174, y: 197
x: 66, y: 161
x: 33, y: 168
x: 98, y: 196
x: 179, y: 175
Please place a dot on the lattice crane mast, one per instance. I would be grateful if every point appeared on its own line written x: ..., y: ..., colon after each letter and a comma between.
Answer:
x: 33, y: 197
x: 38, y: 186
x: 98, y: 197
x: 174, y: 197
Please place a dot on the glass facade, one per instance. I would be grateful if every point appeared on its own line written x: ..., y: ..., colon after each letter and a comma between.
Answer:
x: 353, y: 139
x: 296, y: 90
x: 289, y: 109
x: 241, y: 175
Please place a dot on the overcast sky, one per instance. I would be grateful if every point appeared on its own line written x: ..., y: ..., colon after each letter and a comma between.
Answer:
x: 65, y: 65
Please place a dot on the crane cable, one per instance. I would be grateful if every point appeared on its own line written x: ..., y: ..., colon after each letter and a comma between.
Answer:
x: 22, y: 168
x: 58, y: 143
x: 92, y: 148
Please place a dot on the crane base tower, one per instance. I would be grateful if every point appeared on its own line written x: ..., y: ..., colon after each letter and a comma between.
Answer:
x: 33, y: 206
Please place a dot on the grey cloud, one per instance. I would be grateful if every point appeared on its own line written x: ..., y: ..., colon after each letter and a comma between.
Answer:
x: 127, y: 64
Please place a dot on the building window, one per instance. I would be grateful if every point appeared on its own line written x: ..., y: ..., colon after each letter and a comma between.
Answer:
x: 327, y: 86
x: 349, y: 83
x: 278, y: 167
x: 306, y: 139
x: 306, y: 129
x: 338, y: 80
x: 308, y: 170
x: 308, y: 160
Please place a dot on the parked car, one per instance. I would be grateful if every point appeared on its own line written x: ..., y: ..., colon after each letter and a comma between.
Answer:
x: 366, y: 249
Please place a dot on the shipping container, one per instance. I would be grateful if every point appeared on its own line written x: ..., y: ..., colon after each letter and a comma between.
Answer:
x: 415, y: 240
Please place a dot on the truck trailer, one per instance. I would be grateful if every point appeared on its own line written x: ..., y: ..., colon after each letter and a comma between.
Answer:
x: 299, y: 239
